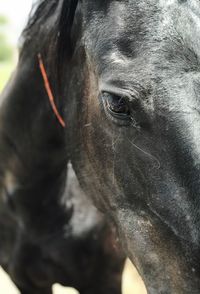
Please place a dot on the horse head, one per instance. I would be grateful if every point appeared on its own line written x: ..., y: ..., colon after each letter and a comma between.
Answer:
x: 131, y: 92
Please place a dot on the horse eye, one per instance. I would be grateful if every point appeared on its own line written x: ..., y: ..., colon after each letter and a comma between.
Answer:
x: 116, y: 105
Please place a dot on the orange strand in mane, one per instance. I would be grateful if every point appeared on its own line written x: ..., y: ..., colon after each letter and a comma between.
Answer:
x: 49, y: 91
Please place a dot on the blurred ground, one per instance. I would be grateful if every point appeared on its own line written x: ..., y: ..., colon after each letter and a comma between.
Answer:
x: 7, y: 287
x: 132, y: 284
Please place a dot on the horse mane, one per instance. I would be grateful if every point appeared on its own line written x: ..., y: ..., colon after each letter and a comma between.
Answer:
x: 50, y: 22
x: 41, y: 11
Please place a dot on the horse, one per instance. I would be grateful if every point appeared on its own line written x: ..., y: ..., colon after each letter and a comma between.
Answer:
x: 50, y: 231
x: 80, y: 254
x: 128, y: 76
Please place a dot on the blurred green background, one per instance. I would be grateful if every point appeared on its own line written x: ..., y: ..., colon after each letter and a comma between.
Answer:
x: 13, y: 16
x: 7, y: 52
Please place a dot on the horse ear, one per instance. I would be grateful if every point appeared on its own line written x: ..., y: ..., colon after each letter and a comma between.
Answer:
x: 64, y: 44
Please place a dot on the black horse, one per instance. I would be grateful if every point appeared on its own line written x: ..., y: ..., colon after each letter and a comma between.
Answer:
x: 129, y: 79
x: 50, y: 232
x: 79, y: 253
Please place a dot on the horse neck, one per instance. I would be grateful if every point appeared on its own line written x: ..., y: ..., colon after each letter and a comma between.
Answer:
x: 32, y: 148
x: 26, y: 117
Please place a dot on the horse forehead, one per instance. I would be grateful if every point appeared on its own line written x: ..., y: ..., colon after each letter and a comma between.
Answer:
x: 146, y: 16
x: 183, y: 15
x: 154, y: 33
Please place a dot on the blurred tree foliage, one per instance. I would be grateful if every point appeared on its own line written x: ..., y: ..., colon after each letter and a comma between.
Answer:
x: 6, y: 50
x: 3, y: 20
